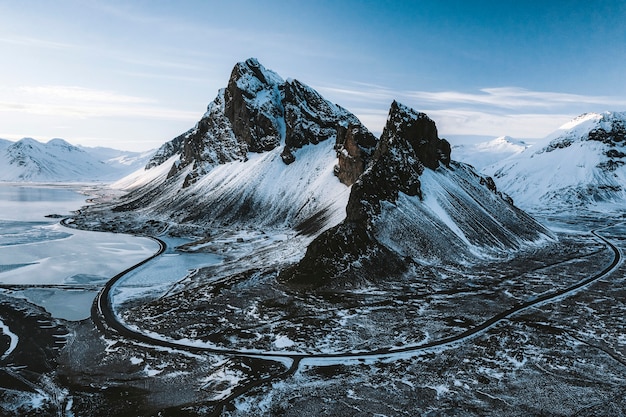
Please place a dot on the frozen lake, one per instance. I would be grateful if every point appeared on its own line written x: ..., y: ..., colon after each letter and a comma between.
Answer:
x: 159, y: 275
x: 55, y: 267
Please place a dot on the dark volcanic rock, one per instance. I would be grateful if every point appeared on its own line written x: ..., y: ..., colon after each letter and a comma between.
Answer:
x: 309, y: 118
x: 614, y: 135
x: 420, y: 134
x: 408, y: 143
x: 355, y: 148
x: 253, y: 105
x: 396, y: 167
x: 392, y: 223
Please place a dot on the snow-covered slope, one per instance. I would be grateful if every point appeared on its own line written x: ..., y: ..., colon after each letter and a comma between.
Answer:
x: 483, y: 154
x: 59, y: 161
x: 582, y: 164
x: 413, y: 205
x: 4, y: 144
x: 264, y: 154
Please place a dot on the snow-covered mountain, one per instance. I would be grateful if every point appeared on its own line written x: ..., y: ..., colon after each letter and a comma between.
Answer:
x: 264, y: 153
x: 414, y: 205
x: 59, y: 161
x: 483, y: 154
x: 579, y: 165
x: 273, y: 154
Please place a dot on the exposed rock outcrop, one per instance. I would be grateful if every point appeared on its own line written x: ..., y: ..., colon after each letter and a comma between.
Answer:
x: 355, y: 148
x: 393, y: 220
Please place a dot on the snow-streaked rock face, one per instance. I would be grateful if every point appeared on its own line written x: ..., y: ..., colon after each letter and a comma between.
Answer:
x: 59, y: 161
x: 413, y: 205
x: 264, y: 152
x: 579, y: 165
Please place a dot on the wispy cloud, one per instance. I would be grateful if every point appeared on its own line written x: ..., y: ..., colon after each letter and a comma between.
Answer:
x: 80, y: 102
x: 498, y: 97
x: 493, y: 111
x: 511, y: 98
x: 36, y: 42
x: 63, y: 92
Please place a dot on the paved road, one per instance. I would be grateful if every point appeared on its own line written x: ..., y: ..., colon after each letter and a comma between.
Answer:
x: 106, y: 320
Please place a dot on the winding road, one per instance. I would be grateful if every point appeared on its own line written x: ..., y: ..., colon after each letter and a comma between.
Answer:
x: 106, y: 320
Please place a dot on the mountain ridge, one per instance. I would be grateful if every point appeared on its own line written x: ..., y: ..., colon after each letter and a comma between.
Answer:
x: 414, y: 205
x: 273, y: 156
x: 59, y: 161
x: 581, y: 164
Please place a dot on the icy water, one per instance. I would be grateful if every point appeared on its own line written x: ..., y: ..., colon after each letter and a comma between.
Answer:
x: 160, y: 275
x: 55, y: 267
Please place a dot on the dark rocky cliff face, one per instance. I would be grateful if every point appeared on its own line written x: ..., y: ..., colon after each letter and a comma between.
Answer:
x: 355, y: 148
x: 408, y: 144
x: 309, y: 118
x: 383, y: 235
x: 253, y: 106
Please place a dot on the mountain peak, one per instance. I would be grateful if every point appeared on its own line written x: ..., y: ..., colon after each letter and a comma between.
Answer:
x: 257, y: 112
x: 607, y: 127
x: 282, y: 137
x: 412, y: 205
x: 419, y: 133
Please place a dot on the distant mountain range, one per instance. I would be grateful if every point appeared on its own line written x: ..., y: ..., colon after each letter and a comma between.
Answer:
x: 28, y: 160
x: 582, y: 164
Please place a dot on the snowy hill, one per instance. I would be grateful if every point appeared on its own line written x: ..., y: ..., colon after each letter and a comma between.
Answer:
x: 59, y: 161
x: 579, y: 165
x: 483, y: 154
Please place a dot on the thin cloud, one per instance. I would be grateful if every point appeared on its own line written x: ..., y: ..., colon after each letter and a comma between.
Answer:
x: 36, y: 42
x: 512, y: 98
x: 496, y: 97
x: 79, y: 102
x: 62, y: 92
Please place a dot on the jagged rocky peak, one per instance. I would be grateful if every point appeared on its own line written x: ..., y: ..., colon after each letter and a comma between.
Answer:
x: 412, y: 205
x: 257, y: 112
x: 420, y: 134
x: 253, y: 105
x: 409, y: 144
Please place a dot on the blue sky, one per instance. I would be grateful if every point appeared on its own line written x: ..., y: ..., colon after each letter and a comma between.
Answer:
x: 134, y: 74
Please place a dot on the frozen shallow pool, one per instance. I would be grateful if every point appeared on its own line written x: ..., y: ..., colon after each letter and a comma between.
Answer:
x: 58, y: 268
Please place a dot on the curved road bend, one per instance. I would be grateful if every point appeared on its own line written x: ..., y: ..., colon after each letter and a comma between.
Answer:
x: 105, y: 319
